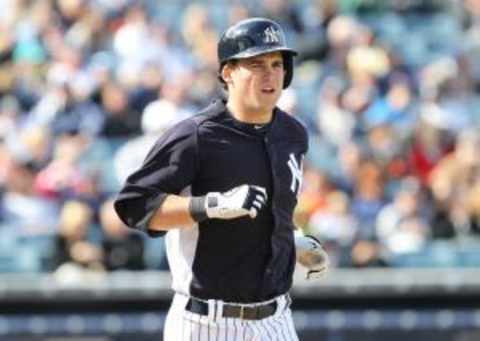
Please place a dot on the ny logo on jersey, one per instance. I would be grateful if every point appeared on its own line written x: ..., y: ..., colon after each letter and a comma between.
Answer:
x: 297, y: 173
x: 271, y: 35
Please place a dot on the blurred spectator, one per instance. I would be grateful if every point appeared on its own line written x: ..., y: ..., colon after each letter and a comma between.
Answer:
x: 343, y: 33
x: 23, y: 210
x: 157, y: 118
x: 120, y: 119
x: 199, y: 35
x: 451, y: 182
x: 402, y: 225
x: 470, y: 20
x: 73, y: 247
x: 238, y: 11
x: 62, y: 177
x: 366, y: 63
x: 394, y: 107
x: 335, y: 122
x: 350, y: 156
x: 320, y: 13
x: 383, y: 144
x: 368, y: 199
x: 150, y: 83
x: 429, y: 143
x: 336, y: 227
x: 283, y: 12
x: 131, y: 38
x: 312, y: 198
x: 9, y: 115
x: 123, y: 249
x: 473, y: 205
x: 367, y: 253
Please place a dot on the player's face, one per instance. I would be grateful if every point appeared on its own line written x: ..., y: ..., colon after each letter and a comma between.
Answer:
x: 258, y: 81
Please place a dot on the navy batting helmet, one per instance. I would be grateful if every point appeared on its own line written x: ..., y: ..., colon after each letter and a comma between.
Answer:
x: 252, y: 37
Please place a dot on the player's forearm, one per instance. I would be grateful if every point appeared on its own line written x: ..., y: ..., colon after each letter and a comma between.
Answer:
x: 176, y: 211
x: 173, y: 213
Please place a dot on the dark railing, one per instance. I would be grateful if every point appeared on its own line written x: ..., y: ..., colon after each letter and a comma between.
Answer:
x: 373, y: 304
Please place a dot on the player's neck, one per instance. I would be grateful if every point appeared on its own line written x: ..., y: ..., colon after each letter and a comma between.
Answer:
x: 243, y: 114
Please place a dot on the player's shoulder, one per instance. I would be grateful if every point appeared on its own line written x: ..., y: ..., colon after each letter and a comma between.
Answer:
x: 291, y: 126
x: 207, y: 114
x: 191, y: 124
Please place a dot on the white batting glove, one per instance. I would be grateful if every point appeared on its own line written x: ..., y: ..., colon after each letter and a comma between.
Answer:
x: 237, y: 202
x: 311, y: 255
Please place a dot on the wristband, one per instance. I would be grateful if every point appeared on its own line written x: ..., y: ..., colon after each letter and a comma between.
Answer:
x: 197, y: 209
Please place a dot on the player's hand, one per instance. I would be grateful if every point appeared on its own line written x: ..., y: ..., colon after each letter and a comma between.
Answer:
x: 312, y: 255
x: 237, y: 202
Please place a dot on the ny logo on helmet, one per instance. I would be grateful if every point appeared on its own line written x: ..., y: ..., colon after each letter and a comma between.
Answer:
x: 271, y: 35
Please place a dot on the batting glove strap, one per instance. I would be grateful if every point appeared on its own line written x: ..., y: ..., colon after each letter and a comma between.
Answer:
x: 238, y: 202
x: 197, y: 209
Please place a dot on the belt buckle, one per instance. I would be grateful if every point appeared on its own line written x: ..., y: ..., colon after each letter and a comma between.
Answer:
x: 242, y: 312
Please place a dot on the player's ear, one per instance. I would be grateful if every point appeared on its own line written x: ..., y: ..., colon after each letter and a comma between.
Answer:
x: 227, y: 72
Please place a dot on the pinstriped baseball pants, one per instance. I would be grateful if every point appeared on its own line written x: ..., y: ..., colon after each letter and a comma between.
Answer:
x: 183, y: 325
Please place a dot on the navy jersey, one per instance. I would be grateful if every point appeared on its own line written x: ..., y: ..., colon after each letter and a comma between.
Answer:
x: 238, y: 260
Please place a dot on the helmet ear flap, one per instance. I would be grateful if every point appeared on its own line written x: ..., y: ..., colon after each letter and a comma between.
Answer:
x: 288, y: 67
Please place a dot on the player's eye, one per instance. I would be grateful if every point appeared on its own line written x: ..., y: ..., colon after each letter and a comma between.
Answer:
x: 278, y: 64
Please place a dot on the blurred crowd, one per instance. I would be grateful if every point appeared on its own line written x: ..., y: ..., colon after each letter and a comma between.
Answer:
x: 389, y: 91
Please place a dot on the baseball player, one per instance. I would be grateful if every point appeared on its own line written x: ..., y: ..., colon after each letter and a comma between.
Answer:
x: 222, y: 187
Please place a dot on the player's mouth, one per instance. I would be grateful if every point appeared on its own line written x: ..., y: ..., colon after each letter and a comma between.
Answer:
x: 268, y: 90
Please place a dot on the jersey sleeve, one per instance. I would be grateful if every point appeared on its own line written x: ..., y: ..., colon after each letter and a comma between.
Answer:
x: 169, y: 168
